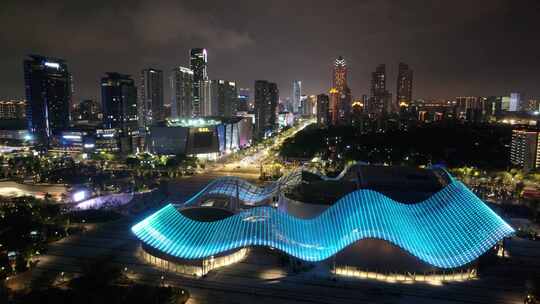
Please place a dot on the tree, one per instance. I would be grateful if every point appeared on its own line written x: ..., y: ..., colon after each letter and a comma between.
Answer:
x: 133, y: 163
x: 534, y: 204
x: 4, y: 292
x: 97, y: 273
x: 20, y: 263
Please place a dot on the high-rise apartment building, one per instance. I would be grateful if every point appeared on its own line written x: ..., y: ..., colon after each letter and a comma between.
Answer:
x: 222, y: 99
x: 151, y: 107
x: 404, y: 86
x: 524, y: 151
x: 380, y: 98
x: 181, y: 83
x: 119, y: 102
x: 532, y: 105
x: 199, y: 65
x: 323, y: 112
x: 48, y: 89
x: 266, y: 102
x: 308, y: 105
x: 469, y: 108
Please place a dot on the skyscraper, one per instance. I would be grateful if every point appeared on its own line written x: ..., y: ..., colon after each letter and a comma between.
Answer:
x: 223, y: 99
x: 494, y: 106
x: 198, y: 64
x: 296, y: 95
x: 505, y: 103
x: 339, y: 75
x: 312, y: 105
x: 266, y: 101
x: 365, y: 102
x: 471, y: 108
x: 87, y: 110
x: 205, y: 104
x: 181, y: 81
x: 48, y: 94
x: 322, y: 110
x: 532, y: 105
x: 151, y: 108
x: 404, y: 85
x: 119, y: 102
x: 515, y: 102
x: 307, y: 105
x: 340, y: 94
x: 243, y: 99
x: 378, y: 103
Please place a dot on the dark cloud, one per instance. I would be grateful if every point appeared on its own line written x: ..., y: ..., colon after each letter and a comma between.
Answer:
x: 455, y: 47
x: 161, y: 25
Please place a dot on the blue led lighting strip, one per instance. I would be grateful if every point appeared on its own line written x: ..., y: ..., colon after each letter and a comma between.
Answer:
x: 450, y: 229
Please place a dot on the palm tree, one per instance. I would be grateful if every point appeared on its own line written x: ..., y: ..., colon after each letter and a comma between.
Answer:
x: 534, y: 204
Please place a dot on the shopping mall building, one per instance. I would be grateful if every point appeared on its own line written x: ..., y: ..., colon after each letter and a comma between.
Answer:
x: 209, y: 137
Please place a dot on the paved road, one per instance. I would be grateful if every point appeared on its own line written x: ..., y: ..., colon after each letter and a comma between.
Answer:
x: 14, y: 189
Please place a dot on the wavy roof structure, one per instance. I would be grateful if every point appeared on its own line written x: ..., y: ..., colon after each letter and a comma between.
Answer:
x: 450, y: 229
x: 251, y: 195
x: 230, y: 186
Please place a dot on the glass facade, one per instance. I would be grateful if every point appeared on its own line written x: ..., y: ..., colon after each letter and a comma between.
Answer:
x: 48, y: 94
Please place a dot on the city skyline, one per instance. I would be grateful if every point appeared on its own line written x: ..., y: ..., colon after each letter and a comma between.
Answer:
x: 451, y: 57
x: 273, y: 152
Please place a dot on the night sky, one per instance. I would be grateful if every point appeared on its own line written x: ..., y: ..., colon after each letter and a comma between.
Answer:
x: 459, y: 47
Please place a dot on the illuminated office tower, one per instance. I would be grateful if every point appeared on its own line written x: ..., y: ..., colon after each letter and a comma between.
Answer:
x: 296, y: 96
x: 505, y: 103
x: 515, y: 102
x: 119, y: 102
x: 243, y: 100
x: 266, y: 102
x: 181, y: 83
x: 404, y: 86
x: 88, y: 110
x: 340, y: 94
x: 199, y: 65
x: 151, y: 108
x: 339, y: 75
x: 48, y: 94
